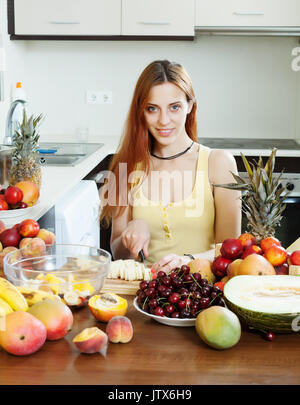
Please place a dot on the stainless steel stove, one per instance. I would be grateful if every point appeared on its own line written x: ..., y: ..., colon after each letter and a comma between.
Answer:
x: 246, y: 143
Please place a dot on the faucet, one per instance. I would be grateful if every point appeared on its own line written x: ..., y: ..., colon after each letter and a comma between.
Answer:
x: 9, y: 130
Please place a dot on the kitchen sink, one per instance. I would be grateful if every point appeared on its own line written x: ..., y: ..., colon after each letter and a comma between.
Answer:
x: 64, y: 154
x: 50, y: 154
x: 59, y: 160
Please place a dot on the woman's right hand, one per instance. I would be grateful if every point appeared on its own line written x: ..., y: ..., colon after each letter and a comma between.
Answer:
x: 136, y: 237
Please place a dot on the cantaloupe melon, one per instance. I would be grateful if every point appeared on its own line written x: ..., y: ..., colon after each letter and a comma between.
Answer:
x: 265, y: 303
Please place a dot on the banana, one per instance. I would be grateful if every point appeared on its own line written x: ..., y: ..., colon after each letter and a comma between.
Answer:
x: 5, y: 307
x: 12, y: 295
x: 33, y: 296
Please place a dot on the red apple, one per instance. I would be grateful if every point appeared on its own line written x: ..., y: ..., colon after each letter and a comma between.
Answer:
x: 13, y: 195
x: 295, y: 258
x: 231, y: 248
x: 10, y: 237
x: 29, y: 228
x: 219, y: 266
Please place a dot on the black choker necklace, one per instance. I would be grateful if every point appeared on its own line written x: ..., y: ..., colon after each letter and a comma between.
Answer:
x: 174, y: 156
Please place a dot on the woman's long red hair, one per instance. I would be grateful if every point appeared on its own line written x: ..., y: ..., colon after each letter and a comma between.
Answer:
x: 136, y: 142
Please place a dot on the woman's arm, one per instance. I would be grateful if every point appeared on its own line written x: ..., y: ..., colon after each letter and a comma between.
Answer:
x: 228, y: 214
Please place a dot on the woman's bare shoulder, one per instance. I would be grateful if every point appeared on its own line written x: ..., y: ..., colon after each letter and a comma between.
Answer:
x: 221, y: 163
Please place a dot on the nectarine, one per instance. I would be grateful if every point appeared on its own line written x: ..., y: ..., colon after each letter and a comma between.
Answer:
x: 276, y: 255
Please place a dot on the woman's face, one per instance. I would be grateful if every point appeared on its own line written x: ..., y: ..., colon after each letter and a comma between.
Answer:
x: 166, y: 111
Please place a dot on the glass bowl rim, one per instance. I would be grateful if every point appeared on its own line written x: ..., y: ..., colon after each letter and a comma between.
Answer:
x: 12, y: 265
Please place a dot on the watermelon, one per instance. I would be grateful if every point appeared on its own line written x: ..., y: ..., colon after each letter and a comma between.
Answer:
x: 265, y: 303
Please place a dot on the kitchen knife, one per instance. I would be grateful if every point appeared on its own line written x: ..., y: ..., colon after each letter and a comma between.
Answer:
x: 142, y: 255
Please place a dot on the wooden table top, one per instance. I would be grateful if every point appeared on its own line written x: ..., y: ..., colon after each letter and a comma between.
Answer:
x: 157, y: 355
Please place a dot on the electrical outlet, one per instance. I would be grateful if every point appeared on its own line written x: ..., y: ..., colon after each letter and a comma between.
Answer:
x: 99, y: 97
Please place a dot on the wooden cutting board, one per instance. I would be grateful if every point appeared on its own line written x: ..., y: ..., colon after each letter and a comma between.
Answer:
x: 119, y: 286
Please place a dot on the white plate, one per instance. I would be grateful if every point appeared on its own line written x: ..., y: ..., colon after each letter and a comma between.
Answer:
x: 164, y: 319
x: 17, y: 213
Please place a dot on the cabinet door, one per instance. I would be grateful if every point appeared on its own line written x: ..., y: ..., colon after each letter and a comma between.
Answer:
x: 158, y: 17
x: 67, y: 17
x: 234, y: 13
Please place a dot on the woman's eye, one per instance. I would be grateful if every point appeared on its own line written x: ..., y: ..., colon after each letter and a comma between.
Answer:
x: 151, y: 108
x: 175, y: 107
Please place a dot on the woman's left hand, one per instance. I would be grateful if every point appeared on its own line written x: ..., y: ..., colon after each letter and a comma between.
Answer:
x: 170, y: 262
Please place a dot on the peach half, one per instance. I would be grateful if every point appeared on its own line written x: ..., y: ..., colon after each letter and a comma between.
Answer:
x: 119, y: 329
x: 106, y: 306
x: 91, y: 340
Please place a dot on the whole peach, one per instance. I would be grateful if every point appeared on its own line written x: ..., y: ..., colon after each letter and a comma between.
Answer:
x: 24, y: 242
x: 119, y: 329
x: 47, y: 236
x: 24, y: 334
x: 91, y: 340
x: 55, y: 315
x: 34, y: 247
x: 4, y: 252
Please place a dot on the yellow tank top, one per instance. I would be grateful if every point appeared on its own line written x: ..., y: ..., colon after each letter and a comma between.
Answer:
x: 180, y: 227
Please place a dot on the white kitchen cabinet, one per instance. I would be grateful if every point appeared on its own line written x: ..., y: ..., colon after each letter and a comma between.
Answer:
x: 158, y: 17
x: 67, y: 17
x: 247, y: 13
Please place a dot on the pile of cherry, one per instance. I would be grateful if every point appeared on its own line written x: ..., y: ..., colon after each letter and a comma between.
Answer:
x: 178, y: 294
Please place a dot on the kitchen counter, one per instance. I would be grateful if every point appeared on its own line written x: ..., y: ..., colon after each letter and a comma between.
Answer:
x: 157, y: 355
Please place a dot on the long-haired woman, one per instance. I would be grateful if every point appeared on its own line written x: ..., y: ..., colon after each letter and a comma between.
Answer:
x: 160, y: 196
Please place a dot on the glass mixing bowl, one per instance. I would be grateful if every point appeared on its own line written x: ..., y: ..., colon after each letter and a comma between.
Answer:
x: 73, y: 272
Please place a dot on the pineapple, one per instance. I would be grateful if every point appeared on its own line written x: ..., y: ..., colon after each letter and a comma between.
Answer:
x: 262, y: 197
x: 24, y: 165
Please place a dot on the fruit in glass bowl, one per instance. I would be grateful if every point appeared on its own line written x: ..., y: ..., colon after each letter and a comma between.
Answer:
x: 73, y: 272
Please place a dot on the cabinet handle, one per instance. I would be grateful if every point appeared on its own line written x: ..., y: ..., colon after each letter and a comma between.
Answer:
x: 155, y: 22
x: 64, y: 22
x: 248, y: 12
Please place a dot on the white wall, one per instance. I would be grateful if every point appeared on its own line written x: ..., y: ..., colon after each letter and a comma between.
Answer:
x: 245, y: 86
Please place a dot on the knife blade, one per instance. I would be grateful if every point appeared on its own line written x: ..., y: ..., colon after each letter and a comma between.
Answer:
x: 142, y: 255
